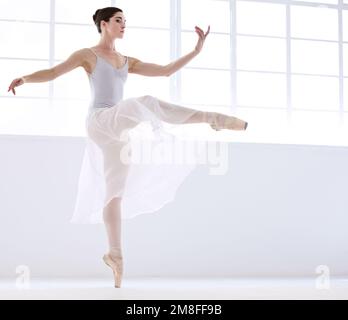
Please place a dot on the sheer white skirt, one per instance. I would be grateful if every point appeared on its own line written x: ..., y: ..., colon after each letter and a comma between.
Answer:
x: 130, y: 154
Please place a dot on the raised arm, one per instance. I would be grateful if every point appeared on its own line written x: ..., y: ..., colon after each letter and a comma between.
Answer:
x: 75, y: 60
x: 156, y: 70
x: 153, y: 70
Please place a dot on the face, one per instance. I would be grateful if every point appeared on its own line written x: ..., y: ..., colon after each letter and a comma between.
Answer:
x: 116, y: 25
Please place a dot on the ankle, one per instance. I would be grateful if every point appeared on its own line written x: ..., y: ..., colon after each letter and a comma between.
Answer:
x: 115, y: 253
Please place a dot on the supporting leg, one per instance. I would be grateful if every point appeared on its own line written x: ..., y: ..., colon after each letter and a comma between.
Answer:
x: 112, y: 221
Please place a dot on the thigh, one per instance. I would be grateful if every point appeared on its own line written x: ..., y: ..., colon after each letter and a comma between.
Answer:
x: 97, y: 128
x: 112, y: 124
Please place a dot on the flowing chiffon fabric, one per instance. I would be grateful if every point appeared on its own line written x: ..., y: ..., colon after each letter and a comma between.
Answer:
x: 120, y: 158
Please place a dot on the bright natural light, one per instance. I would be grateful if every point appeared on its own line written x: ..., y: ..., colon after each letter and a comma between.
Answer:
x: 280, y: 65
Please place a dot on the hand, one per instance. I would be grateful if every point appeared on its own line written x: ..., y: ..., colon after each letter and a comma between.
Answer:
x: 201, y: 39
x: 15, y: 83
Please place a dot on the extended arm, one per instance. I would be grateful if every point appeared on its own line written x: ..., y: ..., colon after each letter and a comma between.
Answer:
x: 155, y: 70
x: 151, y: 69
x: 75, y: 60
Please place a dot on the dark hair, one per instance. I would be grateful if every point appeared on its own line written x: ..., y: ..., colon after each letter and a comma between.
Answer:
x: 104, y: 14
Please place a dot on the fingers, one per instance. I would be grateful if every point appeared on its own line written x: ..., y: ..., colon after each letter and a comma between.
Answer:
x: 199, y: 30
x: 201, y: 33
x: 208, y: 31
x: 13, y: 84
x: 12, y: 89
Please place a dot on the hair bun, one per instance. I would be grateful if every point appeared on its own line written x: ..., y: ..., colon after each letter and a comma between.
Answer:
x: 95, y: 15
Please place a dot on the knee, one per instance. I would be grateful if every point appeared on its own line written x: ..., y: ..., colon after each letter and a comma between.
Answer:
x: 115, y: 201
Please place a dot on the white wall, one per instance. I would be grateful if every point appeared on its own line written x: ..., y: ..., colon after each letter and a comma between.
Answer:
x: 281, y: 210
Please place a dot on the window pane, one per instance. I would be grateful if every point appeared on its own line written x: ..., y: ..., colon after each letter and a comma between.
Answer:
x: 307, y: 22
x: 38, y: 10
x: 345, y: 24
x: 345, y: 93
x: 28, y: 116
x: 78, y: 11
x: 263, y: 90
x: 322, y: 1
x: 261, y: 54
x: 345, y: 59
x: 71, y: 115
x: 73, y: 84
x: 314, y: 57
x: 41, y: 117
x: 24, y: 40
x: 206, y: 87
x: 215, y: 53
x: 143, y: 44
x: 138, y: 85
x: 344, y: 127
x: 150, y: 13
x: 202, y: 13
x: 316, y: 127
x: 71, y: 38
x: 261, y: 18
x: 12, y: 69
x: 315, y: 92
x: 263, y: 124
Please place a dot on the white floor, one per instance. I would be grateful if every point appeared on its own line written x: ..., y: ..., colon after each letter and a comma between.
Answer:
x: 170, y: 288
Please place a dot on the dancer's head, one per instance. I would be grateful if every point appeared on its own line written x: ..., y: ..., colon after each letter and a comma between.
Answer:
x: 110, y: 22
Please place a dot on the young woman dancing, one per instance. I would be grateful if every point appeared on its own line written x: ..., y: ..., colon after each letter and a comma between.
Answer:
x: 109, y: 188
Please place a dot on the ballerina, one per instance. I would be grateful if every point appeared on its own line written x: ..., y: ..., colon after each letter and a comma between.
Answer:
x: 108, y: 188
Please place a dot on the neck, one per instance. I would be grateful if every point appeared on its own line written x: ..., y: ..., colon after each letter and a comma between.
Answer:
x: 107, y: 44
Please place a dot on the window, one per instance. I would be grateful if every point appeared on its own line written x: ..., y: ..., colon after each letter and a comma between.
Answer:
x: 282, y: 65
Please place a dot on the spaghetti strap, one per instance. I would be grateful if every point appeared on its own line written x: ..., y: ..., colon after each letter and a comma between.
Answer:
x: 93, y: 52
x: 107, y: 61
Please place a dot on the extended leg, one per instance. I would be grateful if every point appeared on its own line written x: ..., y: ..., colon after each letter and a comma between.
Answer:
x: 178, y: 114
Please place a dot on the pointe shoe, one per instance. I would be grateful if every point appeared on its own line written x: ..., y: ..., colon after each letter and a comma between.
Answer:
x: 221, y: 121
x: 117, y: 268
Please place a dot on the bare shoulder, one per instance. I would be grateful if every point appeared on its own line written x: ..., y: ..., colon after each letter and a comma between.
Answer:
x: 75, y: 60
x: 85, y: 54
x: 80, y: 55
x: 87, y: 58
